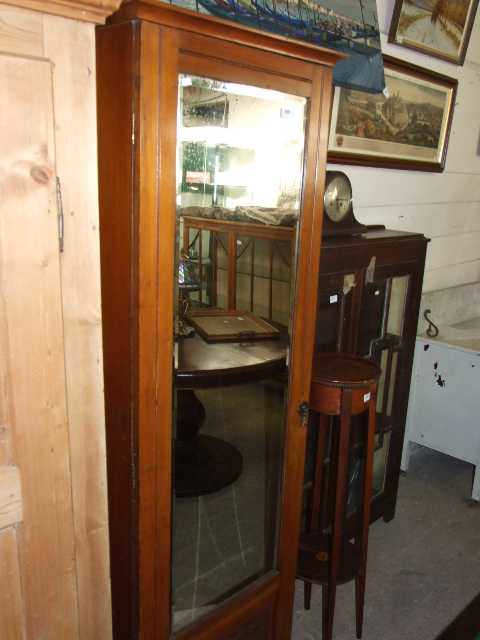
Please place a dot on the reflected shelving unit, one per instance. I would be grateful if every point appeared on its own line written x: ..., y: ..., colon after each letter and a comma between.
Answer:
x: 243, y: 266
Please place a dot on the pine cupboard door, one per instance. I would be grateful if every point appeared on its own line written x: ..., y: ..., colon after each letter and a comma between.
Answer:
x: 248, y: 118
x: 37, y: 554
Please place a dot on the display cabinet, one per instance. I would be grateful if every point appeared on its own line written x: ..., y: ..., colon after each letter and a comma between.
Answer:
x: 243, y: 265
x: 193, y: 558
x: 369, y: 292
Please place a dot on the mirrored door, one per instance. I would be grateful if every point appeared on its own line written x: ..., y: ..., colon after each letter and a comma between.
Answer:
x: 211, y: 206
x: 240, y: 154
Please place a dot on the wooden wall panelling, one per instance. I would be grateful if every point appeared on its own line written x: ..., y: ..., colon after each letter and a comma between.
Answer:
x: 441, y: 219
x: 407, y: 192
x: 441, y: 206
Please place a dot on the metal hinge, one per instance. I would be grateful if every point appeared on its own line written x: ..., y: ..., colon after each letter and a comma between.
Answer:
x: 303, y: 413
x: 60, y: 214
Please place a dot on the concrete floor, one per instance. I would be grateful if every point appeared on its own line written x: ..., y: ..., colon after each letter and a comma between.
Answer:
x: 423, y: 566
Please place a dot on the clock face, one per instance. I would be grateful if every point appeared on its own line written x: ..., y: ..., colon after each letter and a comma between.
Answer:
x: 338, y: 198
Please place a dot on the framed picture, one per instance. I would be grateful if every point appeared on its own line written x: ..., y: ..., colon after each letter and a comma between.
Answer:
x: 406, y: 127
x: 440, y: 28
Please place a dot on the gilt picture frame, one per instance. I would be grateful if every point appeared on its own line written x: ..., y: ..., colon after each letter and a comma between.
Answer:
x: 406, y: 127
x: 439, y: 28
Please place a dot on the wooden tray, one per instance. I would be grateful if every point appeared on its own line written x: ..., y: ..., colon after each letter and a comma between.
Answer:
x: 230, y: 326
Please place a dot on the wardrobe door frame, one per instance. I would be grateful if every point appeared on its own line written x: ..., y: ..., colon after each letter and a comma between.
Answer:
x: 165, y: 44
x: 175, y: 54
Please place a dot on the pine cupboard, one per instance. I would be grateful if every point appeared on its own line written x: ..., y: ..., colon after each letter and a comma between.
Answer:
x: 219, y: 563
x: 54, y: 553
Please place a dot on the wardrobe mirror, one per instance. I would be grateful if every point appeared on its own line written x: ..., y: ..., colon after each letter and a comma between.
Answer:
x: 240, y: 152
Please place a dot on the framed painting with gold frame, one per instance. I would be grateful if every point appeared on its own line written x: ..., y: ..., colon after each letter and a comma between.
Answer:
x: 440, y: 28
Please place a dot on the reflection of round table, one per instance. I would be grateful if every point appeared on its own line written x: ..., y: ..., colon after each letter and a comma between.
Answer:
x: 205, y: 464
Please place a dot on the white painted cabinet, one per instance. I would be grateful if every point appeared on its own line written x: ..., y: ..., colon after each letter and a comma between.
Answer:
x: 443, y: 408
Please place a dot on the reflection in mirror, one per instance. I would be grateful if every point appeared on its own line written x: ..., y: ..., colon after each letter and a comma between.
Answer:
x: 239, y: 169
x: 389, y: 362
x: 396, y: 312
x: 380, y: 464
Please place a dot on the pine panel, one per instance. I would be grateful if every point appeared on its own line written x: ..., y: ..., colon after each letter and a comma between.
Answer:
x: 85, y: 10
x: 11, y: 618
x: 10, y: 497
x: 34, y: 353
x: 21, y: 32
x: 71, y: 47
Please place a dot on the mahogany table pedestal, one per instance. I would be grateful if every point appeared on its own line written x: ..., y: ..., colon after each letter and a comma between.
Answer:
x: 341, y: 385
x: 203, y: 463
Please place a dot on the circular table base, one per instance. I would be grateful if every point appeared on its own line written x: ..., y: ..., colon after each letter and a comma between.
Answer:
x: 205, y: 465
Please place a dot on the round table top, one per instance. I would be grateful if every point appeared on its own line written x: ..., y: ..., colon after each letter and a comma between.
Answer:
x: 344, y: 370
x: 203, y: 365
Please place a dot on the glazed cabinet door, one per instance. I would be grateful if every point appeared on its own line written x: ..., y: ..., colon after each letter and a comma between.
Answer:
x: 370, y: 312
x: 333, y: 329
x: 385, y: 337
x: 205, y: 435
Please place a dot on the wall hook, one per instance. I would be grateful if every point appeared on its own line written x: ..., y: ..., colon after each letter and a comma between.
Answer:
x: 432, y: 332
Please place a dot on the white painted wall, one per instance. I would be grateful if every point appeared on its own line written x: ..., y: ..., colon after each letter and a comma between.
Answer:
x: 443, y: 206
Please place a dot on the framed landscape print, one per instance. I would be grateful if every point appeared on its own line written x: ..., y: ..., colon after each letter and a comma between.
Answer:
x: 407, y: 127
x: 439, y: 28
